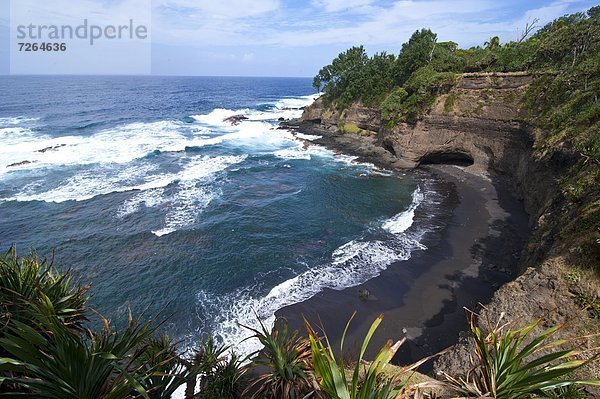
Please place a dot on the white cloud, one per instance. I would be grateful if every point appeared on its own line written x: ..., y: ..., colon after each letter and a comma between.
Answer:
x: 68, y: 11
x: 467, y: 22
x: 213, y: 9
x: 340, y: 5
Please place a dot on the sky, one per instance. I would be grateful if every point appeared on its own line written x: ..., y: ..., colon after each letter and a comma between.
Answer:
x: 296, y: 38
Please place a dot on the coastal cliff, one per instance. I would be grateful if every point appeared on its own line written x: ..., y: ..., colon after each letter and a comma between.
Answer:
x: 482, y: 122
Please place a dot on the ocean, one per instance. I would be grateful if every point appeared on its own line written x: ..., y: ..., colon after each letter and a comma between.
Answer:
x: 140, y: 187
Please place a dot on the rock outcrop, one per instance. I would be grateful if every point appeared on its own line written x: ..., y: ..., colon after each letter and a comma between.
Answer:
x: 13, y: 165
x: 481, y: 121
x: 235, y: 119
x: 364, y: 118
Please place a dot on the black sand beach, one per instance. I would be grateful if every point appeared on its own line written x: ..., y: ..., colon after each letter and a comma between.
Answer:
x: 476, y: 249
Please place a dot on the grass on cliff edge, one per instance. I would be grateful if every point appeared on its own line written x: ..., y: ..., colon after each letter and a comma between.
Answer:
x: 352, y: 128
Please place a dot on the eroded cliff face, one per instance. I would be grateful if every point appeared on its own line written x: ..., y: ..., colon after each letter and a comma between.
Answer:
x: 481, y: 122
x: 357, y: 115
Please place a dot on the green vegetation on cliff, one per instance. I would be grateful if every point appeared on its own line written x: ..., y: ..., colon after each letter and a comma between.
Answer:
x: 568, y: 43
x: 565, y: 106
x: 563, y: 100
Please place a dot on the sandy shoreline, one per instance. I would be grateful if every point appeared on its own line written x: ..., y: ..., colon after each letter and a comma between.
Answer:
x: 423, y: 298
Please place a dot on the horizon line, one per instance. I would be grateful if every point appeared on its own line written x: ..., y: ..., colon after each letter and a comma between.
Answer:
x: 152, y: 75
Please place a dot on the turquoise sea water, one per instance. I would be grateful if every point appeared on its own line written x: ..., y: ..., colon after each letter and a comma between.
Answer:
x: 140, y: 187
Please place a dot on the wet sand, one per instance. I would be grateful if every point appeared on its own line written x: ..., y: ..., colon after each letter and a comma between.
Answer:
x: 466, y: 260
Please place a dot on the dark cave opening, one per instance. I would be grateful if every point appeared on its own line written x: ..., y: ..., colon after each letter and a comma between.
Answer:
x: 389, y: 148
x: 448, y: 158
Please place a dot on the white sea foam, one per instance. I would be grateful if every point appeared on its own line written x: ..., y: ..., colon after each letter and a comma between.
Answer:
x: 149, y: 198
x: 402, y: 221
x: 90, y: 183
x: 192, y: 198
x: 362, y: 261
x: 196, y: 190
x: 351, y: 264
x: 350, y: 160
x: 292, y: 153
x: 18, y: 120
x: 217, y: 116
x: 309, y: 137
x: 121, y: 144
x: 142, y: 177
x: 196, y: 186
x: 297, y: 102
x: 256, y: 131
x: 14, y: 132
x: 287, y: 108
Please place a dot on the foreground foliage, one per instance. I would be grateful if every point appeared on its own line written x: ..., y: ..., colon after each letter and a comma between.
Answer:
x: 221, y: 371
x: 49, y: 350
x: 514, y: 363
x: 288, y: 359
x: 50, y: 361
x: 372, y: 383
x: 27, y: 281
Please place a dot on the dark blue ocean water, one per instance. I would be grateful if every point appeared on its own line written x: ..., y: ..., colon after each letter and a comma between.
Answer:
x: 140, y: 187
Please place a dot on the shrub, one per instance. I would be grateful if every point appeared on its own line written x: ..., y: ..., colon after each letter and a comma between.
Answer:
x: 510, y: 364
x: 46, y: 359
x: 450, y: 101
x: 46, y: 350
x: 409, y: 103
x: 391, y: 107
x: 373, y: 384
x: 351, y: 128
x: 288, y: 358
x: 27, y: 281
x: 165, y: 369
x: 220, y: 370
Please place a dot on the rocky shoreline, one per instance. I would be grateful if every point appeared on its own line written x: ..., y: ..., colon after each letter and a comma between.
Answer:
x: 365, y: 148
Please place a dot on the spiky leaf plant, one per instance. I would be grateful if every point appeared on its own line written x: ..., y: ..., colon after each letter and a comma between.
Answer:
x: 47, y: 350
x: 333, y: 376
x: 220, y: 371
x: 164, y: 368
x: 46, y: 359
x: 509, y: 362
x: 287, y: 356
x: 28, y: 279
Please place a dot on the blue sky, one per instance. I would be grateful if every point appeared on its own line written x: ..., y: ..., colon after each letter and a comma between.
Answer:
x: 296, y: 38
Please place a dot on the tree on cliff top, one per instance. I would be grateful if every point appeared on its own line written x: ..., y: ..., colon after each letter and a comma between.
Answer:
x: 341, y: 78
x: 415, y: 54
